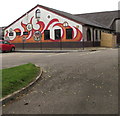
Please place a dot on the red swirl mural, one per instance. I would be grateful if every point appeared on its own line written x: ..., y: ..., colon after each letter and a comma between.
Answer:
x: 77, y: 35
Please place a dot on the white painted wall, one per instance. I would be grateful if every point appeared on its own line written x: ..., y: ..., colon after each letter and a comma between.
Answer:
x: 45, y: 19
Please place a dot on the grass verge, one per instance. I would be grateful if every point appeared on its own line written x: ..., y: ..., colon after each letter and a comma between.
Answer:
x: 18, y: 77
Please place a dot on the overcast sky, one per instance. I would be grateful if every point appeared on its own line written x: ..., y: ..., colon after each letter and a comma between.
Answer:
x: 10, y: 10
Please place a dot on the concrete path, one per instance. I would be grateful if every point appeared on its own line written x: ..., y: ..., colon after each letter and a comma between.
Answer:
x: 72, y: 83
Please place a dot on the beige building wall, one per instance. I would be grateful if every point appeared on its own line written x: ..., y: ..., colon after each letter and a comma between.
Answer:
x: 108, y: 40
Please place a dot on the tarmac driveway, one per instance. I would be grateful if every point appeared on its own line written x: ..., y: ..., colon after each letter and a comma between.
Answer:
x: 72, y: 83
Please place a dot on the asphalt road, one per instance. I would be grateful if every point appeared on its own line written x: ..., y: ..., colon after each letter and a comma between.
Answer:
x: 72, y: 83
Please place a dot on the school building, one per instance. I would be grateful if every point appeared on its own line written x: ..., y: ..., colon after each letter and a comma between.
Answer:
x: 48, y: 28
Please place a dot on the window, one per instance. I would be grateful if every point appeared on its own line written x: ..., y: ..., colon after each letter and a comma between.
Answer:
x: 69, y: 33
x: 47, y: 35
x: 18, y: 33
x: 37, y: 13
x: 25, y: 33
x: 89, y: 34
x: 57, y: 34
x: 11, y: 34
x: 65, y: 24
x: 96, y: 32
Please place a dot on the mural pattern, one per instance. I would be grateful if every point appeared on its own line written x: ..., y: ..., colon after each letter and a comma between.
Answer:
x: 30, y: 30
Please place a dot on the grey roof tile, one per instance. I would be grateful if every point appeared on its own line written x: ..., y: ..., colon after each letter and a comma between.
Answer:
x: 78, y: 18
x: 104, y: 18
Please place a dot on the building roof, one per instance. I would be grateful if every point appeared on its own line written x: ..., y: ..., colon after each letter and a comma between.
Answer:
x: 77, y: 18
x: 104, y: 18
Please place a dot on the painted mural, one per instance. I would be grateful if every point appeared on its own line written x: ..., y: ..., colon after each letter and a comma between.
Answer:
x: 34, y: 29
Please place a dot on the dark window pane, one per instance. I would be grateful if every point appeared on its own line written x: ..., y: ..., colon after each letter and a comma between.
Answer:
x: 96, y: 34
x: 69, y: 33
x: 11, y: 34
x: 18, y: 33
x: 89, y: 34
x: 47, y: 35
x: 25, y: 33
x: 57, y: 34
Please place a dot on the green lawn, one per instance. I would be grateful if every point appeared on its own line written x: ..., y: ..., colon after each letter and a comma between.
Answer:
x: 18, y: 77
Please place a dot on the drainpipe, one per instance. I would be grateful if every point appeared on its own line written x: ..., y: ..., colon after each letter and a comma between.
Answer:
x: 93, y: 36
x: 83, y: 44
x: 84, y: 32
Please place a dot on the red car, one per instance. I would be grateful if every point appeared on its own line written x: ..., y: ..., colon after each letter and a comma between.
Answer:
x: 6, y: 46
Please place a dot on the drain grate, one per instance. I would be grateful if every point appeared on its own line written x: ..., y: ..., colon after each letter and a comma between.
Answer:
x: 92, y: 50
